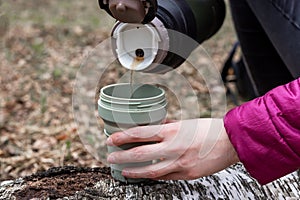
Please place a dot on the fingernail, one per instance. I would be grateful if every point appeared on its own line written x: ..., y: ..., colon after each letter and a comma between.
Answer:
x: 109, y: 142
x: 125, y: 173
x: 111, y: 159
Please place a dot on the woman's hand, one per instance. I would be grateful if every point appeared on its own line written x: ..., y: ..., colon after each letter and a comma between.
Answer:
x: 184, y: 150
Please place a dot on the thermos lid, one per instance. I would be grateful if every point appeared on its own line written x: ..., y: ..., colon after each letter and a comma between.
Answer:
x: 127, y: 10
x: 130, y: 11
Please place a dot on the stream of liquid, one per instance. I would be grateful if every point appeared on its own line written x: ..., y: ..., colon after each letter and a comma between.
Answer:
x: 134, y: 64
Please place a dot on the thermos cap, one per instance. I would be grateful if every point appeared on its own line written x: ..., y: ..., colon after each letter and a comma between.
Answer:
x: 130, y: 39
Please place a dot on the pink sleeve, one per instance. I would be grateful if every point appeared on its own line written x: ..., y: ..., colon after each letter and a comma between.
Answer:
x: 266, y: 133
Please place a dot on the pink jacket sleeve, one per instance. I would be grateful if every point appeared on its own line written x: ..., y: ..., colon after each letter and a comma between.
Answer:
x: 266, y: 133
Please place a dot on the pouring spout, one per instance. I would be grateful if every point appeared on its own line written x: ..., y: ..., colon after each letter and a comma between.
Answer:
x: 136, y: 44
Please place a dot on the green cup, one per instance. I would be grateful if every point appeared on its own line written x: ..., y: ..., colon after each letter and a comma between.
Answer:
x: 123, y: 106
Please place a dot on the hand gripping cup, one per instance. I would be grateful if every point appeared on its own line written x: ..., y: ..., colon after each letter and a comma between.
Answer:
x: 123, y: 106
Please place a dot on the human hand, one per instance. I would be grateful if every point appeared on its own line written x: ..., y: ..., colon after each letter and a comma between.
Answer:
x: 185, y: 150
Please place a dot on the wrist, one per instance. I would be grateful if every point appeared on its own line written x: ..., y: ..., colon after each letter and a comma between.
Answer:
x: 232, y: 153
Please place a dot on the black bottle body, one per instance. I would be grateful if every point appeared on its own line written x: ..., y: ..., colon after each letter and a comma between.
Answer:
x: 198, y: 19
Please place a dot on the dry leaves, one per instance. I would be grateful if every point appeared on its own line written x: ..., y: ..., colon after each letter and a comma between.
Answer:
x: 42, y: 46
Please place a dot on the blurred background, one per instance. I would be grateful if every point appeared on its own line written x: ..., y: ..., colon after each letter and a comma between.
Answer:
x: 42, y: 45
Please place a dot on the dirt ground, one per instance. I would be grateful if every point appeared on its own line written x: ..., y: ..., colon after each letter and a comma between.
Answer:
x: 61, y: 182
x: 43, y: 44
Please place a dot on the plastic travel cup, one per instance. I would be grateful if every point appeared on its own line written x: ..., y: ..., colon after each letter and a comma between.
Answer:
x: 123, y: 106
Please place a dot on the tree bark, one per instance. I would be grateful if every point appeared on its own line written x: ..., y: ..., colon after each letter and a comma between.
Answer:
x: 70, y: 183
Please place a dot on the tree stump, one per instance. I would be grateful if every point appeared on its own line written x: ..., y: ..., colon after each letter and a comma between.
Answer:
x: 70, y: 183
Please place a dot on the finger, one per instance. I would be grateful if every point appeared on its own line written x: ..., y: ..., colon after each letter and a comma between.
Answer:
x: 137, y: 134
x: 172, y: 176
x: 168, y: 121
x: 137, y: 154
x: 153, y: 171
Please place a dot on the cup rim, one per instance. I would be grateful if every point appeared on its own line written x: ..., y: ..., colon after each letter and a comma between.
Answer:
x: 128, y: 99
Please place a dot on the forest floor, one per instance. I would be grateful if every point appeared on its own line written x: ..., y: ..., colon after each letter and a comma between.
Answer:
x: 43, y: 44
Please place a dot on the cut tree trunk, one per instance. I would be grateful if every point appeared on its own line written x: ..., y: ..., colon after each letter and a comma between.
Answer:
x: 96, y: 183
